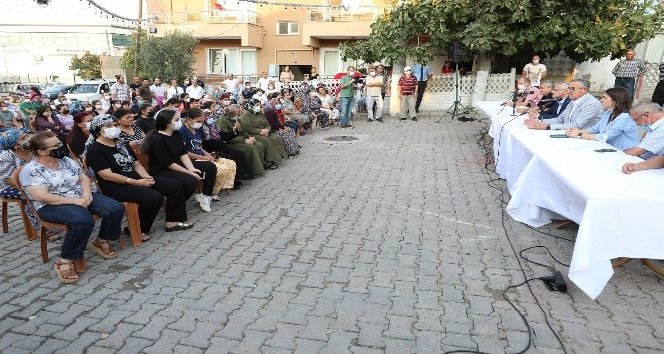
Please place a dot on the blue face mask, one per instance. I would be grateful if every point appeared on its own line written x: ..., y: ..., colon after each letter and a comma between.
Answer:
x: 277, y: 107
x: 646, y: 127
x: 210, y: 121
x: 257, y: 110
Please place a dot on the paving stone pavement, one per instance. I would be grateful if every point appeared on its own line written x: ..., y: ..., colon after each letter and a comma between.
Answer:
x: 392, y: 243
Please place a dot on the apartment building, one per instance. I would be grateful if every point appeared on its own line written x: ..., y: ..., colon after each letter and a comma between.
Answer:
x: 247, y: 38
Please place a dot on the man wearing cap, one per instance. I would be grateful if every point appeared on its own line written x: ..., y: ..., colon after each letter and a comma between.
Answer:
x: 407, y: 91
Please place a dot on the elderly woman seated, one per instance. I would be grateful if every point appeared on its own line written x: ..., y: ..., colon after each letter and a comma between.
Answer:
x: 275, y: 117
x: 236, y: 138
x: 123, y: 178
x: 253, y: 122
x: 60, y: 192
x: 615, y: 126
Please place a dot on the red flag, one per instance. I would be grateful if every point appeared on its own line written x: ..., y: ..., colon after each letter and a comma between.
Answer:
x: 219, y: 7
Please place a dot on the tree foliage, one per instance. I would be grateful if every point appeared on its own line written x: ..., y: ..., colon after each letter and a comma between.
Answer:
x: 128, y: 58
x: 87, y: 66
x: 169, y: 57
x: 583, y: 29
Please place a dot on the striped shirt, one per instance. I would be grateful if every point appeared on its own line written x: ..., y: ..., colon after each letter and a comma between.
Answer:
x: 661, y: 71
x: 407, y: 85
x: 629, y: 68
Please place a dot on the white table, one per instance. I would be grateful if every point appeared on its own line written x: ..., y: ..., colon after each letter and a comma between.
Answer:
x: 548, y: 178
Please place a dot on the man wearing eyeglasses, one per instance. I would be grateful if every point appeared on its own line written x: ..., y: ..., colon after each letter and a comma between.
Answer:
x: 628, y: 70
x: 584, y: 111
x: 559, y: 93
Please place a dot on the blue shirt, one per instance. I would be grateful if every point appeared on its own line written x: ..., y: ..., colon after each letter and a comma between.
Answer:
x: 421, y: 72
x: 622, y: 133
x: 192, y: 142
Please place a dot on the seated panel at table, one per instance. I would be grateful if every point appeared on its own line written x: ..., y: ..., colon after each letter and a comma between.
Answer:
x: 649, y: 116
x: 616, y: 127
x: 528, y: 95
x: 583, y: 113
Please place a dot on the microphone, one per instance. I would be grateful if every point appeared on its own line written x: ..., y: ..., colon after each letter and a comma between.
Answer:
x: 547, y: 100
x: 526, y: 92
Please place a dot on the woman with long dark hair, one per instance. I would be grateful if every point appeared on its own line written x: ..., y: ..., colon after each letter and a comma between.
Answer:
x: 615, y: 127
x: 79, y: 132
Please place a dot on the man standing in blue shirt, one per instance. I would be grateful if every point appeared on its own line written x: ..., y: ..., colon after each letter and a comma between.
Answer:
x: 422, y: 73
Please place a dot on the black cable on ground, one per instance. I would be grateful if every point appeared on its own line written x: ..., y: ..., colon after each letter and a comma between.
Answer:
x: 494, y: 184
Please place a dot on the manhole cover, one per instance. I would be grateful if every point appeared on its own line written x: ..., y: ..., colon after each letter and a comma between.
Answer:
x: 341, y: 138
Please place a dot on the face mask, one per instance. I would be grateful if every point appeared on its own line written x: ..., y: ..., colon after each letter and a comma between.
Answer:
x: 65, y: 112
x: 247, y: 88
x: 112, y: 132
x: 139, y: 102
x: 197, y: 125
x: 47, y: 113
x: 98, y: 107
x: 27, y: 100
x: 59, y: 153
x: 226, y: 103
x: 107, y: 97
x: 177, y: 125
x: 535, y: 61
x: 4, y: 109
x: 277, y: 107
x: 151, y: 114
x: 210, y: 121
x: 88, y: 125
x: 259, y: 94
x: 373, y: 73
x: 117, y: 105
x: 25, y: 145
x: 522, y: 87
x: 351, y: 73
x: 88, y: 109
x: 257, y: 109
x: 52, y: 106
x: 187, y: 99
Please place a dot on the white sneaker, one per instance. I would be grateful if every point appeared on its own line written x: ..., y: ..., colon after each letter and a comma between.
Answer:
x: 198, y: 197
x: 205, y: 203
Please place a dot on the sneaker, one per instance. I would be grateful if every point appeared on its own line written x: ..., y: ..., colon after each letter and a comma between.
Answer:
x: 198, y: 197
x: 380, y: 120
x: 414, y: 119
x: 369, y: 120
x: 205, y: 203
x: 404, y: 118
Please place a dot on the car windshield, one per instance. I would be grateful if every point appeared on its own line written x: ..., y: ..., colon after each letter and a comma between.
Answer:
x: 84, y: 88
x: 55, y: 89
x: 26, y: 88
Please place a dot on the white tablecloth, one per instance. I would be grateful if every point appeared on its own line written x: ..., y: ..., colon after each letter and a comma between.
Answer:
x: 549, y: 178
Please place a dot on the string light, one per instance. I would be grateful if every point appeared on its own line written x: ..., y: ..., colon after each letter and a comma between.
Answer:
x: 113, y: 14
x: 294, y: 5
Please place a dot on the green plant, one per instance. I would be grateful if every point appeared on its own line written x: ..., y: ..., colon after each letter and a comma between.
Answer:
x: 87, y: 66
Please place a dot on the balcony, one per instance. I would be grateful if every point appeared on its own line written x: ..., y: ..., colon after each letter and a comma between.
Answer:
x: 339, y: 23
x: 228, y: 24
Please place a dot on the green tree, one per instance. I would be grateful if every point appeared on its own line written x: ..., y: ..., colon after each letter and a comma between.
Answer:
x: 128, y: 58
x: 87, y: 66
x: 583, y: 29
x: 169, y: 57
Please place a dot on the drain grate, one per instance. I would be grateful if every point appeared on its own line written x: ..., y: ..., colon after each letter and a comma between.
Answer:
x: 341, y: 138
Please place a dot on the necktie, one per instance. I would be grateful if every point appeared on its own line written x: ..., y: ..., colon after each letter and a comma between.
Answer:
x: 421, y: 72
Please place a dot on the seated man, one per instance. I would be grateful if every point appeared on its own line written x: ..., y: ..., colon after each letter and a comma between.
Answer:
x: 649, y: 115
x: 559, y: 94
x: 584, y: 112
x: 529, y: 95
x: 649, y: 164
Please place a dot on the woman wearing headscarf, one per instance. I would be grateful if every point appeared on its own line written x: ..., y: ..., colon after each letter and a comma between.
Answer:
x: 275, y: 117
x: 237, y: 138
x: 291, y: 112
x: 253, y: 122
x: 123, y: 178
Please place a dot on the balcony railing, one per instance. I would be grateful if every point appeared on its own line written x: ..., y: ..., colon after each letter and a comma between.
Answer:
x: 354, y: 13
x: 206, y: 17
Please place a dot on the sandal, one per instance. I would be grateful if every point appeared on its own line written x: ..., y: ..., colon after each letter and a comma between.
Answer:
x: 179, y: 227
x: 103, y: 248
x: 144, y: 236
x: 66, y: 271
x: 52, y: 236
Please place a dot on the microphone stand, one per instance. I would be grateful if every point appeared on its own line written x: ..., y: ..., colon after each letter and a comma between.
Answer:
x: 515, y: 96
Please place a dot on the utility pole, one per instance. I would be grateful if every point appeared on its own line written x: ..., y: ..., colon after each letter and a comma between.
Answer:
x: 138, y: 36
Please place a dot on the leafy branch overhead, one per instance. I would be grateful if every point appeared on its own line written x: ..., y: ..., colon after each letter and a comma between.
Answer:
x: 583, y: 29
x: 87, y: 66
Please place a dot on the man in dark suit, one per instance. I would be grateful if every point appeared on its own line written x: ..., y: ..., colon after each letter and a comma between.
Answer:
x: 582, y: 113
x: 559, y: 93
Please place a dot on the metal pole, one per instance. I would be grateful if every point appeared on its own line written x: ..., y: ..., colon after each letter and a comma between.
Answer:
x: 138, y: 36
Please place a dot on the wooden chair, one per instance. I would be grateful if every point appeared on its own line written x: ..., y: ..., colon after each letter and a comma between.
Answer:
x: 619, y: 262
x: 27, y: 226
x: 79, y: 264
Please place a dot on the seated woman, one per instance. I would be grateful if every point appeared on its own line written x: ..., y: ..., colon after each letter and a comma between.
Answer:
x: 121, y: 177
x: 169, y: 158
x: 46, y: 120
x: 293, y: 113
x: 145, y: 120
x: 192, y: 134
x: 60, y: 192
x: 615, y: 126
x: 276, y: 120
x: 130, y: 133
x: 255, y: 124
x: 64, y: 116
x: 79, y: 133
x: 231, y: 132
x: 327, y: 104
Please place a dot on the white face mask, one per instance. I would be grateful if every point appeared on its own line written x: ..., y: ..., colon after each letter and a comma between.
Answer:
x: 197, y: 125
x: 107, y: 96
x: 52, y: 106
x: 87, y: 125
x: 88, y: 109
x: 112, y: 132
x: 117, y: 105
x: 177, y: 125
x: 4, y: 109
x: 535, y: 61
x: 98, y: 107
x: 373, y: 73
x: 351, y: 73
x: 522, y: 87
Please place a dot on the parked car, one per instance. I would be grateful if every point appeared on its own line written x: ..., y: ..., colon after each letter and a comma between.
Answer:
x: 53, y: 91
x: 88, y: 90
x: 19, y: 91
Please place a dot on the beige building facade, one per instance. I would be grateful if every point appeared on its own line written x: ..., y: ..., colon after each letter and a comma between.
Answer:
x: 246, y: 39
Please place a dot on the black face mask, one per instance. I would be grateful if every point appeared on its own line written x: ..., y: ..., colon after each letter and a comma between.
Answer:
x: 66, y: 111
x: 59, y: 153
x: 151, y: 114
x: 25, y: 146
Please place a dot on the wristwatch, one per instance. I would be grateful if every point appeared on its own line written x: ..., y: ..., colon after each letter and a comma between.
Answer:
x: 580, y: 135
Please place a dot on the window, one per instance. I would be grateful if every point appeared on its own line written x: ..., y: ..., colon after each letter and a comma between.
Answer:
x: 330, y: 62
x: 232, y: 61
x: 287, y: 28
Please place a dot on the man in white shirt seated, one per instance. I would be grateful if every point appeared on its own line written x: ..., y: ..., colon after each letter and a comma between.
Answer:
x: 264, y: 81
x: 584, y: 111
x: 649, y: 116
x: 195, y: 92
x: 174, y: 91
x: 231, y: 85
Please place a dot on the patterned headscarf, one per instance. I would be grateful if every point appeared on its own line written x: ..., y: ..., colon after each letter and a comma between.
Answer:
x: 99, y: 122
x: 9, y: 138
x: 249, y: 106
